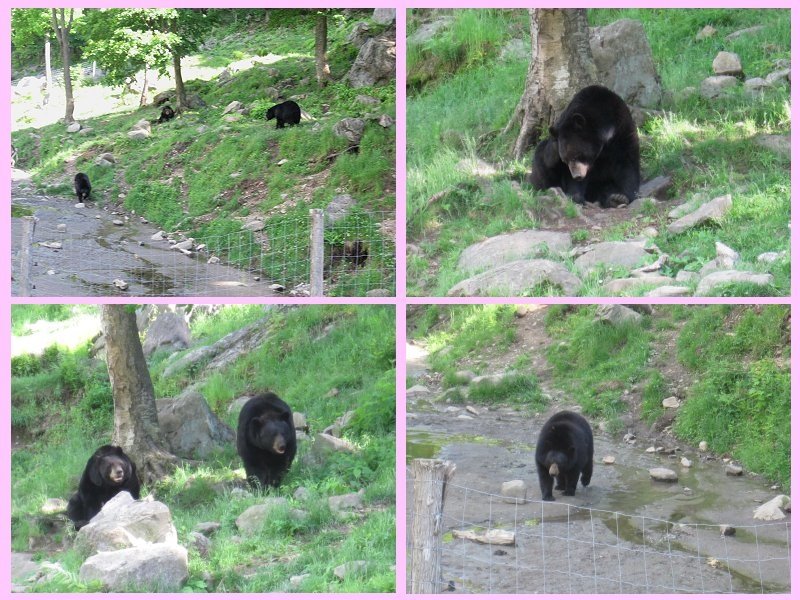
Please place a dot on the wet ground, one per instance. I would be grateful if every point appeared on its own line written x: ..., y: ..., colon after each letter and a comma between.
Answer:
x: 94, y: 252
x: 624, y: 533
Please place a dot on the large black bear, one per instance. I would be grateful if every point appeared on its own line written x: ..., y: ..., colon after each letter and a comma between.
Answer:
x: 286, y: 113
x: 265, y: 439
x: 564, y: 452
x: 82, y: 186
x: 592, y: 152
x: 166, y: 114
x: 108, y: 472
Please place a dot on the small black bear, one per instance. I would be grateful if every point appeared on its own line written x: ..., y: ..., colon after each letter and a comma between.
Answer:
x: 286, y: 113
x: 592, y: 153
x: 265, y: 439
x: 564, y: 452
x: 108, y: 472
x: 166, y: 114
x: 82, y: 186
x: 357, y: 252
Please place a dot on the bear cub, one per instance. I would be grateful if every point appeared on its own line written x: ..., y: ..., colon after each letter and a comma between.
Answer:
x: 592, y: 153
x: 82, y: 186
x: 265, y: 439
x: 564, y: 453
x: 166, y: 114
x: 285, y: 113
x: 108, y: 472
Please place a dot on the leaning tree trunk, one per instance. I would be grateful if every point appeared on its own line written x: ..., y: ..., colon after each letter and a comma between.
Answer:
x: 561, y: 64
x: 62, y: 28
x: 321, y: 50
x: 180, y: 89
x: 143, y: 95
x: 135, y: 416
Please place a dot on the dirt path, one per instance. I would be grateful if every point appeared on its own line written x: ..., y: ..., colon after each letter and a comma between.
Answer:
x: 94, y: 252
x: 622, y: 534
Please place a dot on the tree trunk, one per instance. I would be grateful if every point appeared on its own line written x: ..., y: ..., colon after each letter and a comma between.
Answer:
x: 180, y: 89
x: 321, y: 50
x: 136, y: 427
x: 62, y: 28
x: 143, y: 95
x: 48, y: 69
x: 561, y: 65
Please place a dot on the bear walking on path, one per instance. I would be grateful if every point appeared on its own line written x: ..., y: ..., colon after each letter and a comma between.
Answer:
x: 564, y: 452
x: 108, y: 472
x: 82, y: 186
x: 592, y: 153
x: 265, y: 439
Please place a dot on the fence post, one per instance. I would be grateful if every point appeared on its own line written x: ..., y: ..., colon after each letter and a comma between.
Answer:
x: 26, y: 249
x: 430, y: 479
x: 317, y: 250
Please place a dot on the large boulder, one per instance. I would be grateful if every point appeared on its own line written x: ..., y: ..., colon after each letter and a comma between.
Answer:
x: 512, y: 246
x: 375, y: 63
x: 190, y: 427
x: 625, y: 62
x: 513, y: 278
x: 169, y: 330
x: 156, y: 568
x: 384, y: 16
x: 126, y: 523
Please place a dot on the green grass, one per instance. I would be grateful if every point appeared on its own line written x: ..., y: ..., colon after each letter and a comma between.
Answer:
x: 63, y: 410
x: 204, y: 176
x: 463, y: 98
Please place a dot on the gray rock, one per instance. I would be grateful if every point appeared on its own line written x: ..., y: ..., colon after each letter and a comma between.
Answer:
x: 359, y: 34
x: 126, y: 523
x: 780, y: 144
x: 346, y: 502
x: 669, y: 291
x: 375, y: 63
x: 139, y: 134
x: 663, y: 474
x: 772, y: 257
x: 157, y: 237
x: 368, y: 100
x: 616, y: 314
x: 727, y: 530
x: 706, y: 32
x: 747, y: 31
x: 417, y: 390
x: 169, y: 331
x: 384, y: 16
x: 625, y: 63
x: 254, y: 225
x: 252, y: 519
x: 619, y: 286
x: 356, y: 568
x: 714, y: 210
x: 338, y: 208
x: 612, y: 254
x: 512, y: 246
x: 299, y: 420
x: 756, y: 86
x: 351, y: 129
x: 385, y: 121
x: 727, y: 63
x: 733, y: 470
x: 640, y: 204
x: 515, y: 277
x: 207, y: 528
x: 184, y: 245
x: 687, y: 277
x: 200, y: 543
x: 154, y: 567
x: 73, y: 127
x: 514, y: 492
x: 53, y: 506
x: 302, y: 494
x: 709, y: 282
x: 427, y: 31
x: 295, y: 581
x: 671, y: 402
x: 780, y: 76
x: 234, y: 106
x: 190, y: 427
x: 773, y: 510
x: 325, y: 444
x: 715, y: 86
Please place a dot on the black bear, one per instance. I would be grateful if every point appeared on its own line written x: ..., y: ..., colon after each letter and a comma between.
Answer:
x: 166, y: 114
x: 108, y: 472
x: 564, y: 452
x: 82, y: 186
x: 592, y: 152
x: 357, y: 252
x: 286, y: 113
x: 265, y: 439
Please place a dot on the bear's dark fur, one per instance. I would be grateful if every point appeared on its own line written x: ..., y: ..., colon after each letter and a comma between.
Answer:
x: 108, y: 472
x: 166, y: 114
x: 286, y: 113
x: 82, y: 186
x: 357, y: 252
x: 592, y: 153
x: 265, y: 439
x: 564, y: 452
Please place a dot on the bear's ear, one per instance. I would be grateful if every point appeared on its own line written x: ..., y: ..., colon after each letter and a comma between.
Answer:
x: 579, y: 120
x: 607, y: 133
x: 94, y: 474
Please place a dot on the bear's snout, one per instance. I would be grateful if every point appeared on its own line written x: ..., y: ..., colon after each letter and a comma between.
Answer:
x: 117, y: 474
x: 554, y: 470
x: 578, y: 170
x: 279, y: 445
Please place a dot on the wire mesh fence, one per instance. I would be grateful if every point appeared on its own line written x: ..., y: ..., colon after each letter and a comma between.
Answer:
x: 357, y: 258
x: 554, y: 547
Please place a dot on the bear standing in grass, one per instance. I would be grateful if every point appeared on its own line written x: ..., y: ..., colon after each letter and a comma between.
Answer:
x: 564, y: 452
x: 592, y: 153
x: 285, y: 113
x: 265, y: 439
x: 108, y: 472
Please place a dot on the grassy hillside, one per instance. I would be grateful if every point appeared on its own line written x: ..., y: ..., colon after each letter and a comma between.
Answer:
x: 205, y: 174
x: 465, y: 82
x: 323, y: 360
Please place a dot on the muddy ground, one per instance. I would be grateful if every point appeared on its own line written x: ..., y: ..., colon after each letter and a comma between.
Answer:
x: 624, y: 533
x: 94, y: 252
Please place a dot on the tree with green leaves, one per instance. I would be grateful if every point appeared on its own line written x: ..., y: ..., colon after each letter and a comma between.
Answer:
x: 62, y: 20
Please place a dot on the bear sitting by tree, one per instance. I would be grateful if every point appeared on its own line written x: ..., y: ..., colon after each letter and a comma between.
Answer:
x: 265, y: 439
x: 592, y: 153
x: 108, y: 472
x: 564, y: 452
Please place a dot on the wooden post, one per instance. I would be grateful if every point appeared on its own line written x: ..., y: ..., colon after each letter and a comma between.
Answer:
x: 317, y: 250
x: 430, y: 479
x: 25, y: 260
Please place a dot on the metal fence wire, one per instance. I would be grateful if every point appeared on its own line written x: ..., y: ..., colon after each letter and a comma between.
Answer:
x: 357, y: 259
x: 558, y: 548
